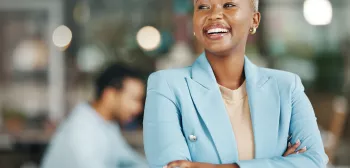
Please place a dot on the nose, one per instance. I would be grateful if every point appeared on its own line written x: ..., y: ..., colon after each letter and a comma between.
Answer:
x: 216, y: 13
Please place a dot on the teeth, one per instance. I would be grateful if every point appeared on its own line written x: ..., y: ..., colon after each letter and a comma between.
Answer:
x: 217, y: 30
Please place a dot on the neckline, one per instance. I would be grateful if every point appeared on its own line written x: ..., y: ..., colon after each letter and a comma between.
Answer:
x: 233, y: 95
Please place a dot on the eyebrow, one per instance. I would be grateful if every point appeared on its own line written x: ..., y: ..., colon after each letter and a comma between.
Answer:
x: 198, y: 0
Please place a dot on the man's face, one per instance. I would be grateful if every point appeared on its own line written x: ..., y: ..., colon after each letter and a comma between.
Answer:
x: 130, y: 102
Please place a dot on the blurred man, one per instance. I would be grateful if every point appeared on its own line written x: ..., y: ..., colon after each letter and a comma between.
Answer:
x: 90, y: 138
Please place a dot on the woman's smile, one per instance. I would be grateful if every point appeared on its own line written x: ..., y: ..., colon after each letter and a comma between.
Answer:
x: 217, y: 31
x: 223, y: 25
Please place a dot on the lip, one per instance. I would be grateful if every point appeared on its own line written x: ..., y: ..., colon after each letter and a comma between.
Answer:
x: 215, y: 26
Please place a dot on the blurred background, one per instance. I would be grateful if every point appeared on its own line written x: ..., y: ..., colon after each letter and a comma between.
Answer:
x: 51, y: 50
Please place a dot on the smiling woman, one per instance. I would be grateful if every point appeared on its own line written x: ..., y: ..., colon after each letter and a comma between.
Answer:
x: 235, y: 17
x: 224, y: 111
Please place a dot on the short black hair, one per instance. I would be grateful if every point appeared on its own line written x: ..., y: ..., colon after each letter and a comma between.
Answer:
x: 114, y: 76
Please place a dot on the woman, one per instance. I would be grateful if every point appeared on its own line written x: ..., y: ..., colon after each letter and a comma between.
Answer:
x: 223, y: 111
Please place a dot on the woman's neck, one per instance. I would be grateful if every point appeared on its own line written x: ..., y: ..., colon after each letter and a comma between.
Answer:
x: 228, y: 69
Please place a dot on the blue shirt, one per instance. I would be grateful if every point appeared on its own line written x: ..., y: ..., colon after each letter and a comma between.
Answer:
x: 86, y: 140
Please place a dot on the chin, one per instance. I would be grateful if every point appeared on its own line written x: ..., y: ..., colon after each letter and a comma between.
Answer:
x: 217, y: 46
x: 217, y: 49
x: 127, y: 120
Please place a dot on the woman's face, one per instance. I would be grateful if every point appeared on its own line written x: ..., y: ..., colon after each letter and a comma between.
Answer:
x: 223, y: 25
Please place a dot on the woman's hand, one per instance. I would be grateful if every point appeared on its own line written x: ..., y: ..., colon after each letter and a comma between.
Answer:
x: 188, y: 164
x: 292, y: 149
x: 180, y: 164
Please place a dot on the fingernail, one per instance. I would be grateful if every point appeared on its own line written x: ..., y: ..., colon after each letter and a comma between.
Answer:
x: 304, y: 148
x: 298, y: 141
x: 297, y: 152
x: 289, y: 144
x: 164, y: 166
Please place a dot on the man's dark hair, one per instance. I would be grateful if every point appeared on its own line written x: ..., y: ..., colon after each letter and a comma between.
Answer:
x: 113, y: 76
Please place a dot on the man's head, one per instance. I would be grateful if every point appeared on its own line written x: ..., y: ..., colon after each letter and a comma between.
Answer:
x: 120, y: 91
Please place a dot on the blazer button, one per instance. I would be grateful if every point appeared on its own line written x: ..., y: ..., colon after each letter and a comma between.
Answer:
x: 192, y: 138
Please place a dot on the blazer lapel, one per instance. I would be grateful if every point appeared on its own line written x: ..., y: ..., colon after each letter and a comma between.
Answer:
x: 208, y: 102
x: 264, y: 103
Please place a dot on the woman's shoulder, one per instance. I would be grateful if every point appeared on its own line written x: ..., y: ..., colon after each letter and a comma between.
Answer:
x: 169, y: 76
x: 174, y: 72
x: 283, y: 78
x: 284, y: 75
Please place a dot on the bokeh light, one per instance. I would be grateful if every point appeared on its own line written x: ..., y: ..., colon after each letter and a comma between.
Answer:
x: 148, y: 38
x: 90, y: 58
x: 30, y: 55
x: 318, y: 12
x: 62, y: 36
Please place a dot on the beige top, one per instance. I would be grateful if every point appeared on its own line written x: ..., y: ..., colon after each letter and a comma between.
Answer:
x: 236, y: 102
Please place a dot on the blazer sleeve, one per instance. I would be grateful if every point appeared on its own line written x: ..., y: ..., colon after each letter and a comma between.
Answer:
x: 163, y: 138
x: 304, y: 127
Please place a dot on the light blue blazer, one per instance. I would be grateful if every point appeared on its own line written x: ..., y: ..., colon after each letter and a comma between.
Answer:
x: 185, y: 119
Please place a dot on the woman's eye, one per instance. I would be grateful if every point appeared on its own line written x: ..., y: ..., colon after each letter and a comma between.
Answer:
x: 200, y: 7
x: 229, y: 5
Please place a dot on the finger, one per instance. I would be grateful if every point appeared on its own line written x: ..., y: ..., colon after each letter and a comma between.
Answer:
x: 172, y: 164
x: 176, y: 164
x: 292, y: 149
x: 302, y: 150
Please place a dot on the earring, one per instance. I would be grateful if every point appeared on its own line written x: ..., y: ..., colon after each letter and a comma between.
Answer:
x: 194, y: 33
x: 252, y: 30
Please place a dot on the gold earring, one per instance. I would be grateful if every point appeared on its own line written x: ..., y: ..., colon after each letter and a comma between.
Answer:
x: 252, y: 30
x: 194, y: 33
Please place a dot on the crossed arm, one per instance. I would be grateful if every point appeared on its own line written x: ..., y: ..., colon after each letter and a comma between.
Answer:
x: 292, y: 149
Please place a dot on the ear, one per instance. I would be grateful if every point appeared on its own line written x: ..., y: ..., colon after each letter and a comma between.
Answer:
x: 109, y: 93
x: 256, y: 19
